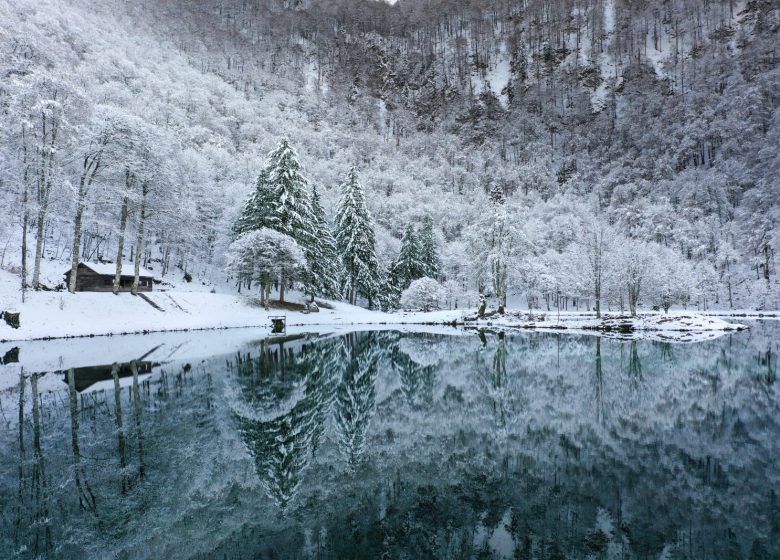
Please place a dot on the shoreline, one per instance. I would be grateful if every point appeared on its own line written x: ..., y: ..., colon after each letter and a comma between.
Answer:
x: 578, y: 324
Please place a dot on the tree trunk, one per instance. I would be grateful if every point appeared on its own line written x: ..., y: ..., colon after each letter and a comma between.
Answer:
x: 44, y: 186
x: 25, y: 224
x: 74, y: 256
x: 139, y: 240
x: 597, y: 282
x: 91, y: 168
x: 121, y: 245
x: 282, y: 281
x: 766, y: 262
x: 25, y: 211
x: 137, y: 414
x: 36, y: 280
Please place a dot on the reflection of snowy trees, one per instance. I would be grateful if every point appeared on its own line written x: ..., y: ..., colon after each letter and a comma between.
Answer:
x: 282, y: 445
x: 561, y: 446
x: 417, y: 381
x: 356, y: 395
x: 336, y: 375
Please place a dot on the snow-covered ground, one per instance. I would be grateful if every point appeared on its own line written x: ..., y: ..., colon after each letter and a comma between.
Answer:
x: 193, y: 306
x: 676, y: 326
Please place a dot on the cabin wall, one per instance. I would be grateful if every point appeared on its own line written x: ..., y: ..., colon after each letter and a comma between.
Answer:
x: 89, y: 281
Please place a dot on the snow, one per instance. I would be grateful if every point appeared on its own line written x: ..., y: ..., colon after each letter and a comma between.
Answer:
x: 60, y: 314
x: 672, y: 327
x: 128, y: 269
x: 496, y: 77
x: 598, y: 98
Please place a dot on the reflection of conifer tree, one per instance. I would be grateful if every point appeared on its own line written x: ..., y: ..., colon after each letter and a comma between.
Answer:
x: 86, y: 497
x: 428, y: 383
x: 280, y: 449
x: 356, y: 396
x: 281, y: 445
x: 408, y: 373
x: 331, y: 358
x: 416, y: 379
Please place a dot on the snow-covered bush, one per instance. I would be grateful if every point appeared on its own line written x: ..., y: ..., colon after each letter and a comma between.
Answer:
x: 424, y: 293
x: 263, y: 254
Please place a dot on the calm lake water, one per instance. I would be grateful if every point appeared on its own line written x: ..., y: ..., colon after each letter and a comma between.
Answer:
x: 394, y: 445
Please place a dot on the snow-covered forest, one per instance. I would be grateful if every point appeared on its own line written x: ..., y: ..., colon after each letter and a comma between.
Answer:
x: 574, y: 153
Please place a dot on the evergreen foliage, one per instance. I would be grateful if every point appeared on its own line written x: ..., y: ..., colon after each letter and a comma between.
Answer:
x: 256, y: 212
x: 429, y: 250
x: 324, y: 265
x: 281, y: 202
x: 356, y: 242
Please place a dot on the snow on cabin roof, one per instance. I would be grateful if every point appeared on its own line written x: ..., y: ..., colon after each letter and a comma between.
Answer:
x: 128, y: 269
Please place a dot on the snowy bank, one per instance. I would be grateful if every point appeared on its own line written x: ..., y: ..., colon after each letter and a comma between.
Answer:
x: 680, y: 327
x: 62, y: 314
x: 48, y: 315
x: 189, y: 307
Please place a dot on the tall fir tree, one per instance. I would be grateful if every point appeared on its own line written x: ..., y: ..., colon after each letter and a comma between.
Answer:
x: 356, y: 242
x: 409, y: 266
x: 406, y: 268
x: 290, y: 211
x: 429, y: 250
x: 324, y: 268
x: 257, y: 209
x: 281, y: 202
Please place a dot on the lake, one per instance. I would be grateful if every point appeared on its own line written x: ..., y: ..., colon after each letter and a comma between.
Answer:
x: 389, y: 444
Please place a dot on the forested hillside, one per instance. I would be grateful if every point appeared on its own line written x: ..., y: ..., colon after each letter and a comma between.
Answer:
x: 564, y: 151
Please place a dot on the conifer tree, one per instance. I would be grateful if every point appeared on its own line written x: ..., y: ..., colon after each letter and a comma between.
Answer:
x: 324, y: 265
x: 406, y: 268
x: 409, y: 266
x: 356, y: 242
x: 256, y: 212
x: 290, y: 211
x: 281, y: 202
x: 429, y: 250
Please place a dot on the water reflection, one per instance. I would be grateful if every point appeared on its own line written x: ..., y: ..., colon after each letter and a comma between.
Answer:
x: 384, y: 444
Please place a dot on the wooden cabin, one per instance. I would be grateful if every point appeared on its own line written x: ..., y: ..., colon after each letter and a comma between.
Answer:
x: 99, y: 277
x: 86, y: 377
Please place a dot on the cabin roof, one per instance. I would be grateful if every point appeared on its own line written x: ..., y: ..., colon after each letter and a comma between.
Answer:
x: 109, y: 269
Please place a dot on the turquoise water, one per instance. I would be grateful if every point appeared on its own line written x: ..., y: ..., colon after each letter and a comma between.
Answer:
x: 400, y: 445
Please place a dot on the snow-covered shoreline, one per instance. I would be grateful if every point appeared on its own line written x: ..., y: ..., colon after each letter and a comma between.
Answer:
x: 674, y: 327
x: 57, y: 315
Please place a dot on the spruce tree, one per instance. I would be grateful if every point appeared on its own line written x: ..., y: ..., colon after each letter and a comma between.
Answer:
x: 281, y: 202
x: 324, y: 265
x: 429, y: 250
x: 256, y: 212
x: 409, y: 266
x: 356, y: 242
x: 406, y: 268
x: 290, y: 211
